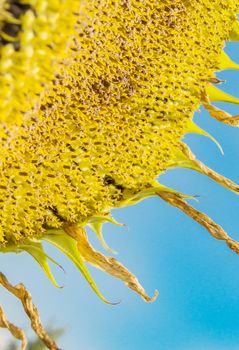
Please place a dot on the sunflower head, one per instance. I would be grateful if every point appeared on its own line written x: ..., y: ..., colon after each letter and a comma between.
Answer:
x: 95, y: 99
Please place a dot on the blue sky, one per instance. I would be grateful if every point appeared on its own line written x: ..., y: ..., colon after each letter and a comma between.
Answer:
x: 197, y: 276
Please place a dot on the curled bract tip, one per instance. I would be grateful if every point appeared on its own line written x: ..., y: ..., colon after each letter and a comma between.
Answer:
x: 194, y: 128
x: 153, y: 298
x: 96, y: 225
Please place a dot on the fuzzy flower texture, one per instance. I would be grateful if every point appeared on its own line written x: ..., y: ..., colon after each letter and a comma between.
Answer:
x: 95, y: 99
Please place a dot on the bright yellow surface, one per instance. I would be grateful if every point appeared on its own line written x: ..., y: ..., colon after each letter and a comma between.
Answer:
x: 94, y: 104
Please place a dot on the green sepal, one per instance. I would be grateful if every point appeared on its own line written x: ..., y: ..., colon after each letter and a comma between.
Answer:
x: 149, y: 192
x: 194, y: 128
x: 182, y: 161
x: 105, y: 218
x: 96, y: 224
x: 36, y: 250
x: 234, y: 34
x: 69, y: 247
x: 217, y: 95
x: 97, y: 229
x: 227, y: 63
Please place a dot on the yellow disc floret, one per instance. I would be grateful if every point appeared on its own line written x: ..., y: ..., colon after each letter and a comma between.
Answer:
x: 95, y: 98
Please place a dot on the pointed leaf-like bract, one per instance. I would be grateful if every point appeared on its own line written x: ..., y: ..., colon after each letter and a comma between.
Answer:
x: 186, y: 159
x: 106, y: 263
x: 218, y: 113
x: 96, y: 225
x: 36, y: 250
x: 194, y: 128
x: 217, y: 95
x: 227, y: 63
x: 213, y: 228
x: 69, y: 247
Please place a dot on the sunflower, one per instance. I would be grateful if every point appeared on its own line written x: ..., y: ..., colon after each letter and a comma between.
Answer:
x: 95, y: 99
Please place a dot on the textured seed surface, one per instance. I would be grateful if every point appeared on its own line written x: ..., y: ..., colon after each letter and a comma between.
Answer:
x: 94, y: 101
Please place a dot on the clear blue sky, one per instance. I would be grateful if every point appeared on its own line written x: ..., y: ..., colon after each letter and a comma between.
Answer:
x: 197, y: 276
